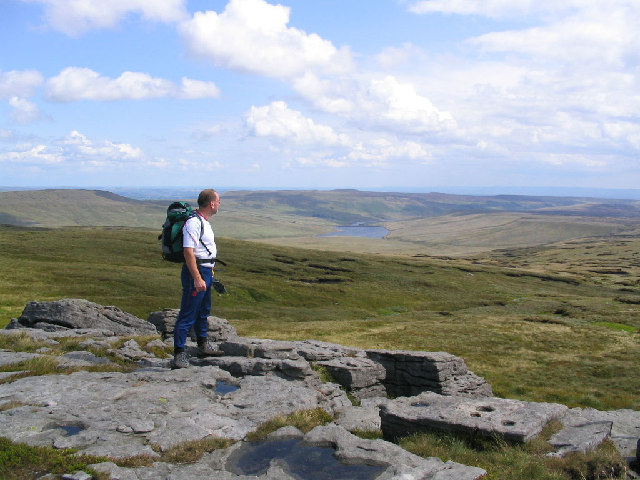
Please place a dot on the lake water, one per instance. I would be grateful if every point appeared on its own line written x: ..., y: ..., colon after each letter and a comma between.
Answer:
x: 358, y: 230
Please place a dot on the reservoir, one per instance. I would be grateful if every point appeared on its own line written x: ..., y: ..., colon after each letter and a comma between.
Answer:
x: 358, y: 230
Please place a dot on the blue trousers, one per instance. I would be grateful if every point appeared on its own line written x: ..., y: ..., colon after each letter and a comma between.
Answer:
x: 194, y: 307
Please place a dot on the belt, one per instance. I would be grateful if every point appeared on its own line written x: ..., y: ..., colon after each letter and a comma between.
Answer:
x: 200, y: 261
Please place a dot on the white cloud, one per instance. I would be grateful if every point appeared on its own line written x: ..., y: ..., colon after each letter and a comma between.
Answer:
x: 598, y: 36
x: 37, y: 154
x: 495, y: 8
x: 19, y: 83
x: 78, y: 145
x: 391, y: 57
x: 313, y: 144
x: 252, y: 36
x: 24, y: 111
x: 75, y: 83
x: 207, y: 132
x: 193, y: 89
x: 332, y: 96
x: 380, y: 103
x: 278, y: 120
x: 563, y: 90
x: 393, y: 104
x: 75, y: 17
x: 76, y: 150
x: 382, y: 150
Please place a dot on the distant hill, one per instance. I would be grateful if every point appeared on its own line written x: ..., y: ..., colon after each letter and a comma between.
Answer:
x: 60, y: 207
x: 350, y: 206
x: 431, y: 223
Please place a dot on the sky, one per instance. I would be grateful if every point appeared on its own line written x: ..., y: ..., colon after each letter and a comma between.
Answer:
x: 366, y: 94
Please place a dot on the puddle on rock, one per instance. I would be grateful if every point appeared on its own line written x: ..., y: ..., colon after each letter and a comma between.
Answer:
x: 70, y: 430
x: 303, y: 461
x: 223, y: 387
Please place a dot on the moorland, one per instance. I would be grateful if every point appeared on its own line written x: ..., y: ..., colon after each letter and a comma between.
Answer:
x: 539, y: 295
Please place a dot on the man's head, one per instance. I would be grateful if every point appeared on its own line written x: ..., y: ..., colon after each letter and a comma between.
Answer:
x: 209, y: 200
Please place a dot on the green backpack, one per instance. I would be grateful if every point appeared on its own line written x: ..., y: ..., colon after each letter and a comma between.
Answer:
x: 177, y: 214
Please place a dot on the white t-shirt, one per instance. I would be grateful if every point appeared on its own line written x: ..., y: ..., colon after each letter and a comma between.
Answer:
x: 191, y: 238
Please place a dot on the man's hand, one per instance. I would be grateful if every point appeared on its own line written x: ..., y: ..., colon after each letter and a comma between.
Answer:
x: 190, y: 261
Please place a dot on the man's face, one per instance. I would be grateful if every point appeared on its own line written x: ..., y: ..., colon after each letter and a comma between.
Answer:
x: 215, y: 204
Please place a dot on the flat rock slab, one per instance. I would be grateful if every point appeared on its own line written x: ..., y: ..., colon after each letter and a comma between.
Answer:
x: 512, y: 419
x: 81, y: 359
x: 310, y: 350
x: 11, y: 358
x: 122, y: 414
x: 242, y: 366
x: 625, y: 427
x: 392, y: 462
x: 580, y: 436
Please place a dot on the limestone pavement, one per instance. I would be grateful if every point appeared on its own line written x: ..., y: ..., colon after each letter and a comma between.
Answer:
x: 250, y: 381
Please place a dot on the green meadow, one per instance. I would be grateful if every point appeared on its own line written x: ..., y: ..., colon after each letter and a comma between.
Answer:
x: 563, y: 334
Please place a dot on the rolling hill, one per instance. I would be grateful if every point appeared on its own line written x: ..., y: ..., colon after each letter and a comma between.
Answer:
x: 418, y: 223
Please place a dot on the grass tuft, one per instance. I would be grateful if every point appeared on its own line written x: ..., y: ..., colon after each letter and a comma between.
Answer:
x: 19, y: 461
x: 303, y: 420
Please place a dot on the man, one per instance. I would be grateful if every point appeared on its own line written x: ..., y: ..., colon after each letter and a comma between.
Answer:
x: 199, y: 248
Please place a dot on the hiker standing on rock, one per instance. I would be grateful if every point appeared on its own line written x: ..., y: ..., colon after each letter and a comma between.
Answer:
x: 199, y: 249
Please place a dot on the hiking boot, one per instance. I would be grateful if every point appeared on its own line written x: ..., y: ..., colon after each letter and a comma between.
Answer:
x: 207, y: 349
x: 181, y: 360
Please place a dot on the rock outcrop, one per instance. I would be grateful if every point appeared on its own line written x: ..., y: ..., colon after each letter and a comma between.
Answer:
x: 121, y: 415
x: 77, y: 314
x: 411, y: 373
x: 514, y: 420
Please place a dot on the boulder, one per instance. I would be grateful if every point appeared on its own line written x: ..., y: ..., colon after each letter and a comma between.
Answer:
x: 72, y: 314
x: 410, y: 373
x: 360, y: 376
x: 218, y: 328
x: 131, y: 350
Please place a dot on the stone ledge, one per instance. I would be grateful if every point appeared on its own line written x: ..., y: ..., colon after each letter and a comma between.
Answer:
x: 514, y: 420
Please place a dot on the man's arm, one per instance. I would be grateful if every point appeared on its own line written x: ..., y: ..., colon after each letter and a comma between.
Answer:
x: 190, y: 261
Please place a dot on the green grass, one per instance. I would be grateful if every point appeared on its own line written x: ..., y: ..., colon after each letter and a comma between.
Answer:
x: 303, y: 420
x: 534, y: 334
x: 504, y: 461
x: 21, y: 462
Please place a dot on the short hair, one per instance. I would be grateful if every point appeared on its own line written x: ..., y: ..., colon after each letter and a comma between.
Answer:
x: 207, y: 196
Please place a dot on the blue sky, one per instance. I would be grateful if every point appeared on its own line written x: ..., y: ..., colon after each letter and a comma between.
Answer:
x: 405, y: 94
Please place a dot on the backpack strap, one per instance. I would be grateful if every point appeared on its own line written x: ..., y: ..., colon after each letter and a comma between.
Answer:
x: 195, y: 214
